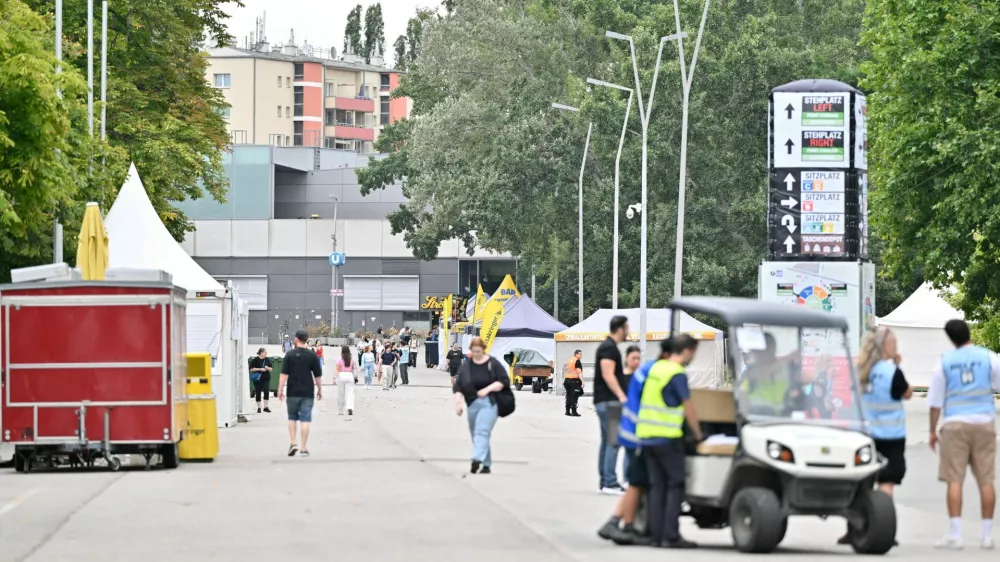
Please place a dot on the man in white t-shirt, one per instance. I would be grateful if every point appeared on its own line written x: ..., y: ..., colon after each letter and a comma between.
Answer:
x: 962, y: 386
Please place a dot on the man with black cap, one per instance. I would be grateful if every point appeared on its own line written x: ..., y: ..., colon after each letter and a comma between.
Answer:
x: 303, y: 375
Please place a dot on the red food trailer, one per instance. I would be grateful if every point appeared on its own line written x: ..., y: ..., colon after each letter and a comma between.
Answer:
x: 90, y: 370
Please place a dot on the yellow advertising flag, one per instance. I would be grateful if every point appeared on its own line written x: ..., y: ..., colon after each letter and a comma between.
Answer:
x: 506, y: 291
x: 492, y: 317
x: 480, y: 306
x: 446, y: 322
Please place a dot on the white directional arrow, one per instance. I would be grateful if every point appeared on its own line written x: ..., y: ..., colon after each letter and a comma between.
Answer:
x: 790, y: 203
x: 789, y: 244
x: 789, y: 182
x: 788, y: 222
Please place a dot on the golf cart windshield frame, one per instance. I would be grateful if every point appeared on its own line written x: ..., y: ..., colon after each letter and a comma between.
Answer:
x: 737, y: 313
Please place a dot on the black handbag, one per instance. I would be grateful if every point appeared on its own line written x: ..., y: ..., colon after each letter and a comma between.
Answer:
x: 503, y: 398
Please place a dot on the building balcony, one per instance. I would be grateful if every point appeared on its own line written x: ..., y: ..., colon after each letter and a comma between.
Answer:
x: 364, y: 105
x: 351, y: 132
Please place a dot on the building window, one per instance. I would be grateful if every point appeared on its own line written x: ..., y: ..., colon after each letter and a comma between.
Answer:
x: 298, y: 133
x: 288, y: 82
x: 223, y: 80
x: 279, y: 81
x: 223, y: 112
x: 331, y: 90
x: 331, y: 118
x: 385, y: 81
x: 298, y: 71
x: 299, y: 96
x: 383, y: 117
x: 288, y: 140
x: 288, y: 113
x: 279, y: 111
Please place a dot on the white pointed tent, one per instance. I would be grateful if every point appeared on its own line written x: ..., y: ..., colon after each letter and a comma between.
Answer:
x: 137, y: 239
x: 919, y: 326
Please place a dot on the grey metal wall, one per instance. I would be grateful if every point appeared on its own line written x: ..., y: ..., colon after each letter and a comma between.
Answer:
x: 298, y: 289
x: 302, y: 194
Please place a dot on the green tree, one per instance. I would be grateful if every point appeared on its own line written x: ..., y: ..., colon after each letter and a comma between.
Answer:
x: 399, y: 48
x: 374, y: 32
x: 352, y: 32
x: 162, y: 111
x: 934, y: 111
x: 44, y: 147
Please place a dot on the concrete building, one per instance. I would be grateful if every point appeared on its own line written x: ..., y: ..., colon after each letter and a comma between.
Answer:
x: 286, y: 95
x: 273, y: 238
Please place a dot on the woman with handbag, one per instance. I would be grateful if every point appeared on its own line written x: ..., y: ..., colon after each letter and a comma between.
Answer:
x: 346, y: 378
x: 483, y: 388
x: 260, y: 374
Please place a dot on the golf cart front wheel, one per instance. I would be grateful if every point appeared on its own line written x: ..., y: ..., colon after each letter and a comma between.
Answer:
x: 877, y: 535
x: 756, y: 520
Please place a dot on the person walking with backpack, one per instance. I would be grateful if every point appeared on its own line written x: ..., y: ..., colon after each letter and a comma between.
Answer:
x: 483, y: 389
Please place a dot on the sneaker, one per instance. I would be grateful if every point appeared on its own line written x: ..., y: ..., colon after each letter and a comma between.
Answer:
x: 475, y: 467
x: 612, y: 490
x: 987, y: 543
x: 628, y: 537
x: 485, y: 470
x: 292, y: 449
x: 607, y: 531
x: 304, y: 453
x: 680, y: 543
x: 258, y: 410
x: 267, y: 410
x: 949, y: 542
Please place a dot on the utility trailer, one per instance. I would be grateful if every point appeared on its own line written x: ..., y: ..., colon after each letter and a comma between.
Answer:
x: 90, y: 370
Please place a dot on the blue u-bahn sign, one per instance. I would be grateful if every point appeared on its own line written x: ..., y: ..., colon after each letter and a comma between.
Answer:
x: 338, y: 259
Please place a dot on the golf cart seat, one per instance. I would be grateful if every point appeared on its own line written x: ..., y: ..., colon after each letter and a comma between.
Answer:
x: 717, y: 414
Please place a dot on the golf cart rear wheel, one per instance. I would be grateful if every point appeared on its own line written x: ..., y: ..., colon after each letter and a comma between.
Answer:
x: 878, y: 514
x: 756, y: 520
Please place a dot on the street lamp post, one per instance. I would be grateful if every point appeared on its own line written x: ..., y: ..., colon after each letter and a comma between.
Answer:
x: 334, y: 303
x: 618, y: 160
x: 686, y: 79
x: 644, y: 113
x: 583, y: 165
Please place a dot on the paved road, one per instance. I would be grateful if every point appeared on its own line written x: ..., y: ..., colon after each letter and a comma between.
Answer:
x: 389, y: 485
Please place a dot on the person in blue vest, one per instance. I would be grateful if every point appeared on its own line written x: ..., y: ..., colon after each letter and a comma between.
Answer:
x: 663, y: 409
x: 619, y: 528
x: 961, y: 391
x: 884, y: 387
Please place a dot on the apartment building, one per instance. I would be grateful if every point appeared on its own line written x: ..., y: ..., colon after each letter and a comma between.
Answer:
x: 287, y: 96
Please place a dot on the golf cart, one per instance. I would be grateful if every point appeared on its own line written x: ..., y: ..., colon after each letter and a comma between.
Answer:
x: 790, y: 438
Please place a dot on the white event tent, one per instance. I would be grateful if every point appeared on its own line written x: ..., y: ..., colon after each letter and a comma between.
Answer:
x: 216, y: 318
x: 706, y: 371
x: 919, y: 327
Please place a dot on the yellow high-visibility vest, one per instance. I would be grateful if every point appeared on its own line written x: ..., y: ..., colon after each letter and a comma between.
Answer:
x: 656, y: 419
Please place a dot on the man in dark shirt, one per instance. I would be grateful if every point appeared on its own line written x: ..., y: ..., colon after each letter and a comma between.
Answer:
x: 302, y: 373
x: 388, y: 361
x: 454, y: 358
x: 609, y: 393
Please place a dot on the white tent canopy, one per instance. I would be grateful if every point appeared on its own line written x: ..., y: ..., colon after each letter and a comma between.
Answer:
x: 919, y: 326
x: 137, y: 239
x: 707, y: 370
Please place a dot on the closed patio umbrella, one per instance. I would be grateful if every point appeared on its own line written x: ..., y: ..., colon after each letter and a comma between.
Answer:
x: 92, y: 251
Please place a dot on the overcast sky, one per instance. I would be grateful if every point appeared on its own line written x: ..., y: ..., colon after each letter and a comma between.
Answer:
x: 320, y: 22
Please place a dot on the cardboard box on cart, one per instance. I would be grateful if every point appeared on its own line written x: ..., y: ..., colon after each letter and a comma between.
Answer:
x: 115, y: 385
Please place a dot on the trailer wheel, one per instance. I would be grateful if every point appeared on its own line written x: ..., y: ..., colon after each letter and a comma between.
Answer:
x: 114, y: 464
x: 19, y: 464
x: 518, y: 386
x: 171, y: 457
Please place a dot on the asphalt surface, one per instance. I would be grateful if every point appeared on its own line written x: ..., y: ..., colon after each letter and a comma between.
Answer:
x: 390, y: 484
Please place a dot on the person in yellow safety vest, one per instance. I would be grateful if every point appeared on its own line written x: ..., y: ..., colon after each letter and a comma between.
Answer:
x: 663, y: 408
x: 574, y: 383
x: 762, y: 383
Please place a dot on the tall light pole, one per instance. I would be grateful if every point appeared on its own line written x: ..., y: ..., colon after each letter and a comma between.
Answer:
x: 644, y: 119
x: 583, y: 165
x: 334, y: 303
x: 686, y: 79
x: 618, y: 160
x: 104, y: 69
x: 57, y: 234
x: 90, y: 66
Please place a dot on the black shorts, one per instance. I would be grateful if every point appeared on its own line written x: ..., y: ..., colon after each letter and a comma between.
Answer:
x: 894, y: 451
x: 637, y: 472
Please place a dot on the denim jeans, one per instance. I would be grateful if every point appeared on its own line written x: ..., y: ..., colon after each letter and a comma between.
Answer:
x: 482, y: 417
x: 607, y: 456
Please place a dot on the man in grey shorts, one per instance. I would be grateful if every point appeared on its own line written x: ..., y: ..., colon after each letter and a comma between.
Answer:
x: 302, y: 379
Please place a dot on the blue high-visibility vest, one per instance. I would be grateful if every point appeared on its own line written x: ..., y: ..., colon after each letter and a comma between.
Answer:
x: 886, y: 417
x: 968, y: 384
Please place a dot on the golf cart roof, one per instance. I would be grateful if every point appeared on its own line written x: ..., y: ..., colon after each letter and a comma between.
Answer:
x: 737, y: 311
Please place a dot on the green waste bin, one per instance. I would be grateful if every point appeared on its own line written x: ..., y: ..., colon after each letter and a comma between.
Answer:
x: 275, y: 372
